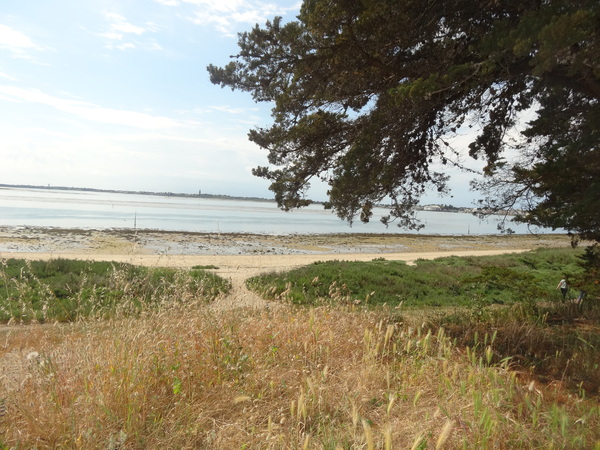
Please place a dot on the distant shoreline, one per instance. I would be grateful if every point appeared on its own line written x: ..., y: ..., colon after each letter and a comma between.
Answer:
x: 430, y: 208
x: 117, y: 191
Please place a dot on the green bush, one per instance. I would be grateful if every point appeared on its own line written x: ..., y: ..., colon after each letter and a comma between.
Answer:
x: 449, y: 281
x: 65, y: 290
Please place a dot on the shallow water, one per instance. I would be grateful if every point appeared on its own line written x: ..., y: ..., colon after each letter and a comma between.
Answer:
x: 103, y: 210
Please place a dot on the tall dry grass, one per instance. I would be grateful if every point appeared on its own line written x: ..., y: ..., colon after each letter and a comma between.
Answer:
x: 279, y: 378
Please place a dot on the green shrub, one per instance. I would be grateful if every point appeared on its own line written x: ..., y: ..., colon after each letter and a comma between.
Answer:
x: 449, y: 281
x: 65, y: 290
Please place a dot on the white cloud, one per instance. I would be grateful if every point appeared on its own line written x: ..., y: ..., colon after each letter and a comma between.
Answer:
x: 119, y: 25
x: 147, y: 45
x: 32, y: 131
x: 228, y: 109
x: 7, y: 76
x: 110, y: 159
x: 16, y: 42
x: 120, y: 29
x: 126, y: 46
x: 111, y: 35
x: 90, y: 111
x: 152, y: 27
x: 153, y: 46
x: 128, y: 28
x: 229, y: 16
x: 220, y: 5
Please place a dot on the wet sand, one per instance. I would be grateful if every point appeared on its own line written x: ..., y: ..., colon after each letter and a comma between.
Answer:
x: 15, y: 240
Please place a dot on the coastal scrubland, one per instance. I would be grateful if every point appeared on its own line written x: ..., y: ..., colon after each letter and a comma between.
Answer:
x: 61, y: 290
x: 471, y: 352
x: 444, y: 281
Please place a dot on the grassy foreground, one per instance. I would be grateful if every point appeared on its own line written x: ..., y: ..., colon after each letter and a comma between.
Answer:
x: 289, y: 378
x: 327, y: 376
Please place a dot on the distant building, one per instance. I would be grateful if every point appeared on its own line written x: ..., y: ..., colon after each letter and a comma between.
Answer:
x: 432, y: 208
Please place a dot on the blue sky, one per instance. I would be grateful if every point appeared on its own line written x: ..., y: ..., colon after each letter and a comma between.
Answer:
x: 114, y: 94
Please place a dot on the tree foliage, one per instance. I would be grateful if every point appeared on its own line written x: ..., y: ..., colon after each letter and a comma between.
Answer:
x: 367, y: 95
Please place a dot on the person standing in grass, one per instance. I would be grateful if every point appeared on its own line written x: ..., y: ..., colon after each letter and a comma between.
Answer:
x: 563, y: 285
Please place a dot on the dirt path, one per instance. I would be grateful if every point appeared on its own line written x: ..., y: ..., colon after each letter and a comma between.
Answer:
x: 238, y: 269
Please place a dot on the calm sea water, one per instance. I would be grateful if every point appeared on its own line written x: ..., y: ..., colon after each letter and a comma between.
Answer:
x: 102, y: 210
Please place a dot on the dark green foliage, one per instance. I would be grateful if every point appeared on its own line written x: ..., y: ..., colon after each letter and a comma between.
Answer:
x: 207, y: 267
x: 589, y: 279
x: 368, y: 95
x: 447, y: 281
x: 64, y: 290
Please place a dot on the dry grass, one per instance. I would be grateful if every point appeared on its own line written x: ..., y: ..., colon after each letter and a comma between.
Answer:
x: 277, y: 378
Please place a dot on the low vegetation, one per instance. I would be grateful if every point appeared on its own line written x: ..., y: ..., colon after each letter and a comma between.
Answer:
x: 554, y: 338
x: 451, y: 281
x: 335, y: 373
x: 62, y: 290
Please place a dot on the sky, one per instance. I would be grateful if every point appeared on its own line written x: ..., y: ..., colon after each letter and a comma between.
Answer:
x: 113, y: 94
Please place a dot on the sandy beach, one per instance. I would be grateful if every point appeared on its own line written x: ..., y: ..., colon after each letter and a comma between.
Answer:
x: 239, y: 256
x: 263, y: 252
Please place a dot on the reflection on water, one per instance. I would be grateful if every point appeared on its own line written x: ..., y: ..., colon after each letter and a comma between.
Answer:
x: 101, y: 210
